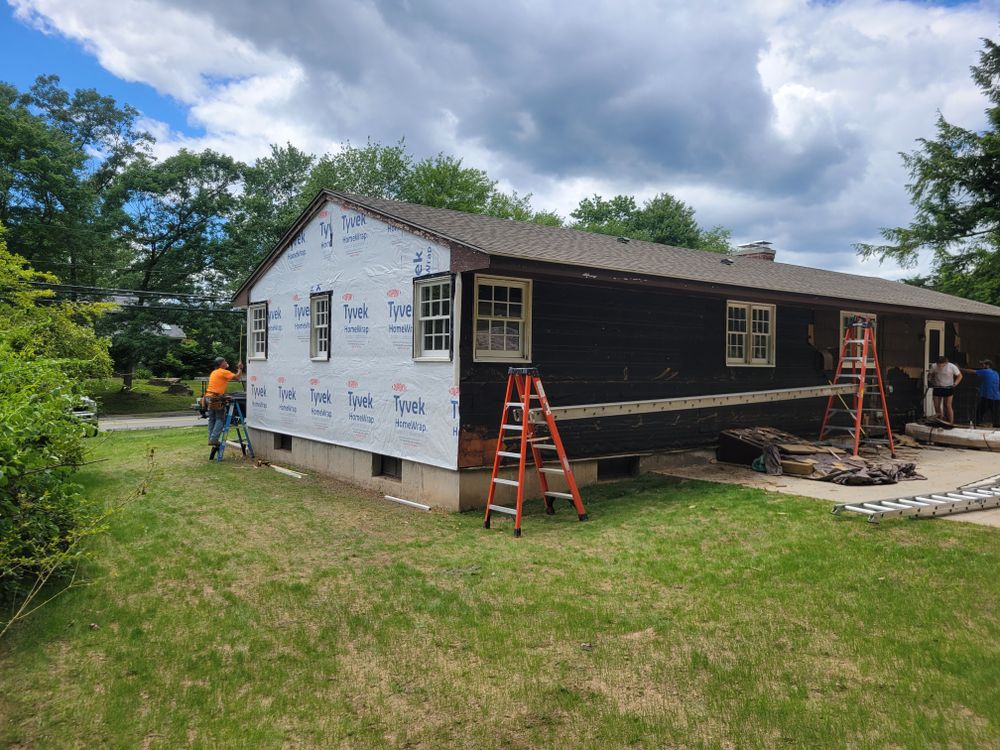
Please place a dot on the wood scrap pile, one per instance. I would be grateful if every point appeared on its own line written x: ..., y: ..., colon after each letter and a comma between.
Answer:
x: 777, y: 452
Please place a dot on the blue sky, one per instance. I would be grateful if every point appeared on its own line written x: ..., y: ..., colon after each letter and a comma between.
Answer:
x: 780, y: 119
x: 28, y: 53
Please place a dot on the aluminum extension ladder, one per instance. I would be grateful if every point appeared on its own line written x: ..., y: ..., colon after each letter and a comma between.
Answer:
x: 516, y: 424
x: 926, y: 506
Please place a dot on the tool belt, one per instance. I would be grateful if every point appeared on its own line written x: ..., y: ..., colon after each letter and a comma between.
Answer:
x: 214, y: 401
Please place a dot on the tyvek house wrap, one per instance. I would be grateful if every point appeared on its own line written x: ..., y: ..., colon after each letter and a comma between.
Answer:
x: 370, y: 394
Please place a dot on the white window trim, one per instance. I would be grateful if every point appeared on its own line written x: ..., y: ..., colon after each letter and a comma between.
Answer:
x: 490, y: 356
x: 251, y: 350
x: 840, y: 341
x: 418, y: 346
x: 313, y: 329
x: 748, y: 342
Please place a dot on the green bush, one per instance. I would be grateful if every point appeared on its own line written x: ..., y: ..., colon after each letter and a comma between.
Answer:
x: 41, y: 510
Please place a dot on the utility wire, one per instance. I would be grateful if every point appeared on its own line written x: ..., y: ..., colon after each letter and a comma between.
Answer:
x: 104, y: 291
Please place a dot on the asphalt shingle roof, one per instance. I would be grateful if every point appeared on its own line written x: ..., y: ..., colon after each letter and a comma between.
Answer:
x: 515, y: 239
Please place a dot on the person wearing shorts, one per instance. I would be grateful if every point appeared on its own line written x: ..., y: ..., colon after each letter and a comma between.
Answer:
x: 989, y: 392
x: 944, y: 377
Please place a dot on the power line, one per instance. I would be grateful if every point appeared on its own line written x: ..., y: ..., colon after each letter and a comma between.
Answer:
x: 91, y: 291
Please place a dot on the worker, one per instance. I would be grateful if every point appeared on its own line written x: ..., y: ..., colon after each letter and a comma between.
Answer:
x: 215, y: 400
x: 944, y: 377
x: 989, y: 392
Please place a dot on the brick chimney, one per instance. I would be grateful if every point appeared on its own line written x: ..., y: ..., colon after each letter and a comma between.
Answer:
x: 759, y: 250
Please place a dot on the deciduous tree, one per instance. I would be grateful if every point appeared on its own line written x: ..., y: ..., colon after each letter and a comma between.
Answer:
x: 663, y: 219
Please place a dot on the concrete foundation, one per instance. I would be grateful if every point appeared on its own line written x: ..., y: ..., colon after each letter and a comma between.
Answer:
x: 441, y: 488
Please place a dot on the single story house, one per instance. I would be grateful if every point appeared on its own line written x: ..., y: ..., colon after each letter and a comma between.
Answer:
x: 380, y: 334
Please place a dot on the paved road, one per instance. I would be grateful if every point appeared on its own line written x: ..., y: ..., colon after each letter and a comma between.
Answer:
x: 151, y: 421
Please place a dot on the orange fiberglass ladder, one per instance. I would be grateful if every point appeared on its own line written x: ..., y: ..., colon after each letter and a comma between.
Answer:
x: 516, y: 424
x: 864, y: 372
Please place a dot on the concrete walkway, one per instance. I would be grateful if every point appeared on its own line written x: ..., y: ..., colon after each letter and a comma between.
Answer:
x: 945, y: 468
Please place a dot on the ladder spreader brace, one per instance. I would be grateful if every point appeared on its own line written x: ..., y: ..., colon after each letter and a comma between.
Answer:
x: 514, y: 426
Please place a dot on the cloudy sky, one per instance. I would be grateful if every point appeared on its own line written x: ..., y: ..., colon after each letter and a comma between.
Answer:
x: 780, y: 119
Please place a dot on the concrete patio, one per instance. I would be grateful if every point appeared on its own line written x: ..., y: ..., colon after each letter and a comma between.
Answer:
x: 945, y: 468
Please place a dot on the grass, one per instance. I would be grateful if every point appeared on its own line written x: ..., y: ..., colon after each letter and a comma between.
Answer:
x: 242, y: 608
x: 143, y: 398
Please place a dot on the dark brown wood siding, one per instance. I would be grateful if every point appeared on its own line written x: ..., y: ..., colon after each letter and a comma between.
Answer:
x: 599, y: 342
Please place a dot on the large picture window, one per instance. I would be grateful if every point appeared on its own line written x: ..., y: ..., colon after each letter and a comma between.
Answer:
x: 749, y: 334
x: 319, y: 326
x: 257, y: 340
x: 432, y: 317
x: 503, y: 319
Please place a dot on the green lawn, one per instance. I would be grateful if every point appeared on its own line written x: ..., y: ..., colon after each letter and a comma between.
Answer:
x: 234, y: 607
x: 143, y: 398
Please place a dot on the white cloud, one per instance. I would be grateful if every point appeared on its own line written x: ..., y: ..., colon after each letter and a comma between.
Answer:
x: 781, y: 119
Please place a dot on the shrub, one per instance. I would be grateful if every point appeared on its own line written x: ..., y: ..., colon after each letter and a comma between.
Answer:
x: 41, y: 510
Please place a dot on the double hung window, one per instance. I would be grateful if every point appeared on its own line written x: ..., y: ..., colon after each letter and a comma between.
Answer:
x: 432, y: 318
x: 319, y: 326
x: 749, y: 334
x: 846, y: 318
x: 503, y: 319
x: 257, y: 325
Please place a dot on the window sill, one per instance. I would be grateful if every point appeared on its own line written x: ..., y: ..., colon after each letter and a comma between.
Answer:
x: 748, y: 364
x: 432, y: 359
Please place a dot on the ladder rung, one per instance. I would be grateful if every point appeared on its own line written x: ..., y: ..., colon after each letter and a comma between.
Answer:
x: 566, y: 495
x: 868, y: 409
x: 552, y: 470
x: 503, y: 509
x: 894, y: 504
x: 859, y: 509
x: 511, y: 482
x: 545, y: 447
x: 508, y: 454
x: 877, y: 506
x: 515, y: 427
x: 516, y: 404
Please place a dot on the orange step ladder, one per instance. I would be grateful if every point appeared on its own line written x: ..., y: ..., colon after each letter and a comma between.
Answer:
x: 858, y: 349
x: 516, y: 424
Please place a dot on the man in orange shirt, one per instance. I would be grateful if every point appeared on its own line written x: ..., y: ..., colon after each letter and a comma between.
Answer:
x: 215, y: 397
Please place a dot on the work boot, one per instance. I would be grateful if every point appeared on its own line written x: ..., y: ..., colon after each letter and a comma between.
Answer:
x: 215, y: 450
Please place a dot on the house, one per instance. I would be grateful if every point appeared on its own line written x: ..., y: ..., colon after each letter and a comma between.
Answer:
x: 380, y: 334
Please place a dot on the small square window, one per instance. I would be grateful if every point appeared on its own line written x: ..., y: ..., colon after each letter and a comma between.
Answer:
x: 502, y: 327
x: 282, y: 442
x: 387, y: 466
